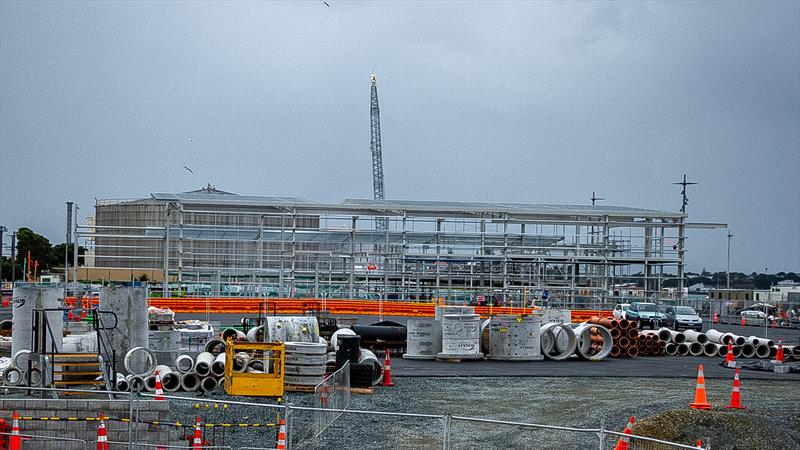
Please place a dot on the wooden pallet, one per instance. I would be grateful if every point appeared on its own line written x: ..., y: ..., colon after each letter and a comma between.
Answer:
x: 298, y: 388
x: 363, y: 391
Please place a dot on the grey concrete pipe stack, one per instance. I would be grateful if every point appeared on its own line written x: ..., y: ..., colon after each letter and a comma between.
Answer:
x: 218, y: 366
x: 695, y: 348
x: 184, y: 363
x: 694, y: 336
x: 711, y: 349
x: 762, y: 351
x: 674, y: 336
x: 558, y: 341
x: 190, y: 382
x: 304, y: 363
x: 671, y: 349
x: 513, y: 338
x: 719, y: 337
x: 150, y: 381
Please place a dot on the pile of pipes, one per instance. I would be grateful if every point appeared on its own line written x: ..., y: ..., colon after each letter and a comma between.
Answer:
x: 304, y: 362
x: 715, y: 343
x: 627, y: 342
x: 203, y: 372
x: 365, y: 368
x: 650, y: 343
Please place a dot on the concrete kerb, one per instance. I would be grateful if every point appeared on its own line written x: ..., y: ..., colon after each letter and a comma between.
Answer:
x: 138, y: 445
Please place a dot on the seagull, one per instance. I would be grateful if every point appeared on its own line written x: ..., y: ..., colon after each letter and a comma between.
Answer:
x: 189, y: 140
x: 189, y: 170
x: 326, y: 4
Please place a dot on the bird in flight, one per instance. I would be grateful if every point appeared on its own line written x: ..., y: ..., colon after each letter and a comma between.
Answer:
x: 326, y: 4
x: 189, y: 140
x: 189, y: 170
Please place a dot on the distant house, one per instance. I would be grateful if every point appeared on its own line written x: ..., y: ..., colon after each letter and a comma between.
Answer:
x: 699, y: 288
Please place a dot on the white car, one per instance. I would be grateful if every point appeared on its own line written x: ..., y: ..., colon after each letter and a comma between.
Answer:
x: 619, y: 310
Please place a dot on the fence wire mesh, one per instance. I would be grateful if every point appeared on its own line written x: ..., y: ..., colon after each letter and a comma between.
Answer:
x: 332, y: 394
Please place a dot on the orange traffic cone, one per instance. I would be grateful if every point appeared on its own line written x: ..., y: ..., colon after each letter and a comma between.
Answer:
x: 281, y: 445
x: 622, y: 443
x: 715, y: 319
x: 699, y: 444
x: 102, y: 437
x: 700, y: 401
x: 742, y: 321
x: 159, y: 389
x: 15, y: 442
x: 736, y: 401
x: 83, y: 314
x: 730, y: 360
x: 779, y: 354
x: 70, y: 316
x: 387, y: 371
x: 197, y: 440
x: 323, y: 395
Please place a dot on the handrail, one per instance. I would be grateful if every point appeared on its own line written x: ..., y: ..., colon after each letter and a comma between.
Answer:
x: 40, y: 335
x: 108, y: 358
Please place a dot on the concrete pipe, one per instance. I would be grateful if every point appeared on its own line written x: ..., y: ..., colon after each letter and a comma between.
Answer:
x: 719, y: 337
x: 240, y: 361
x: 20, y: 359
x: 140, y: 361
x: 748, y: 350
x: 12, y: 376
x: 208, y: 384
x: 306, y: 348
x: 585, y: 338
x: 218, y: 366
x: 5, y: 325
x: 171, y: 381
x: 150, y: 383
x: 711, y: 349
x: 722, y: 350
x: 340, y: 332
x: 135, y: 383
x: 215, y: 346
x: 671, y: 349
x: 737, y: 351
x: 675, y: 336
x: 739, y: 340
x: 190, y: 382
x: 369, y: 357
x: 202, y: 364
x: 695, y: 348
x: 122, y: 383
x: 304, y: 360
x: 694, y: 336
x: 665, y: 334
x: 256, y: 334
x: 683, y: 349
x: 768, y: 342
x: 184, y: 363
x: 753, y: 340
x: 221, y: 384
x: 762, y: 351
x: 558, y: 341
x: 232, y: 333
x: 35, y: 376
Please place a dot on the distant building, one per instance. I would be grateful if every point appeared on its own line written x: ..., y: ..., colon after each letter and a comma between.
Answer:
x: 699, y: 288
x: 779, y: 293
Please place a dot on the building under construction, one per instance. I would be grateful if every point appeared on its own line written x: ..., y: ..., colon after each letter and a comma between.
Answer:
x: 210, y: 242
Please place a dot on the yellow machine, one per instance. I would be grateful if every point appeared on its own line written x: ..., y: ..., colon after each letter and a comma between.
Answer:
x: 266, y: 384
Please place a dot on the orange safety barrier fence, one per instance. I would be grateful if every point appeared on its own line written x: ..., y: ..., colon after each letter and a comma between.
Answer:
x: 228, y: 305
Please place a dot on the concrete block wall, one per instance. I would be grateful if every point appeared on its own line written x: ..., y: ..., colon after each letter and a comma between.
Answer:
x: 63, y: 427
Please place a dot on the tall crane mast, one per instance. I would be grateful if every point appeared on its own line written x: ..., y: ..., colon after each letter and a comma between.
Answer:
x: 375, y: 147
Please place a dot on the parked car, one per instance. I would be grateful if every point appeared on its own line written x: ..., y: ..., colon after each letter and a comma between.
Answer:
x: 753, y: 317
x: 682, y: 317
x: 645, y: 315
x: 619, y: 310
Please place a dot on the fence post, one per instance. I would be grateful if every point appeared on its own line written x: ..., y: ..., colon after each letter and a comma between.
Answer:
x: 287, y: 408
x: 602, y: 434
x: 446, y: 432
x: 130, y: 420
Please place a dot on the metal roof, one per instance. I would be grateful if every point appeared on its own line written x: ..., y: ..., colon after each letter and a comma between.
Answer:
x: 413, y: 207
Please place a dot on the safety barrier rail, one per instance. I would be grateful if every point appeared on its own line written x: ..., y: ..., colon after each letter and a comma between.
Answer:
x: 253, y: 305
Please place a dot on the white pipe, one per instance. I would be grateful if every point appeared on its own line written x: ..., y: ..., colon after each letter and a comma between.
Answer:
x: 202, y: 364
x: 665, y: 334
x: 738, y: 340
x: 676, y: 336
x: 340, y: 332
x: 12, y: 376
x: 584, y: 349
x: 753, y: 340
x: 190, y: 382
x: 218, y: 366
x: 762, y: 351
x: 171, y: 382
x: 710, y: 349
x: 694, y: 336
x: 240, y: 361
x: 671, y: 349
x: 231, y: 333
x: 184, y: 363
x: 748, y: 350
x: 150, y: 366
x: 135, y: 383
x: 208, y: 384
x: 683, y: 349
x: 695, y: 348
x: 719, y: 337
x: 737, y: 351
x: 121, y: 383
x: 369, y: 357
x: 558, y: 341
x: 722, y: 351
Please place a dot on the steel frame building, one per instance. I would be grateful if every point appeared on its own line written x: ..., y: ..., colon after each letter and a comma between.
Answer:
x: 214, y: 243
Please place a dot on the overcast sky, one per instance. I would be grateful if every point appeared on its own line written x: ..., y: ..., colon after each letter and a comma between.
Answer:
x: 520, y: 102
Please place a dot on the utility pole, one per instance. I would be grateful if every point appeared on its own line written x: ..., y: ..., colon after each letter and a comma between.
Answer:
x: 595, y: 198
x: 728, y: 270
x: 684, y: 183
x: 13, y: 257
x: 375, y: 147
x: 2, y: 230
x: 66, y: 248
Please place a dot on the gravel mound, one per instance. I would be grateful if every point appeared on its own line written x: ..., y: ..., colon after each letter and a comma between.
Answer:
x: 724, y: 428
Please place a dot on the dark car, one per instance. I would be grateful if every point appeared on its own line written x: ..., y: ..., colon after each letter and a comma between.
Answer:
x: 682, y: 317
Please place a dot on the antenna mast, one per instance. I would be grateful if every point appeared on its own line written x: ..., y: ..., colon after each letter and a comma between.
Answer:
x: 375, y: 147
x: 684, y: 183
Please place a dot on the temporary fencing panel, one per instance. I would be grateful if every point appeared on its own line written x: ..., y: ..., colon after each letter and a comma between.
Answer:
x: 40, y: 442
x: 332, y: 393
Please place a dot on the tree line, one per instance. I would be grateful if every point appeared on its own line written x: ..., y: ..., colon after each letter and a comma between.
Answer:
x: 43, y: 255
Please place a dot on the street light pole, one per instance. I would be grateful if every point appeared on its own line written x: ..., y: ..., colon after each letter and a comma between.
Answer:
x: 728, y: 270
